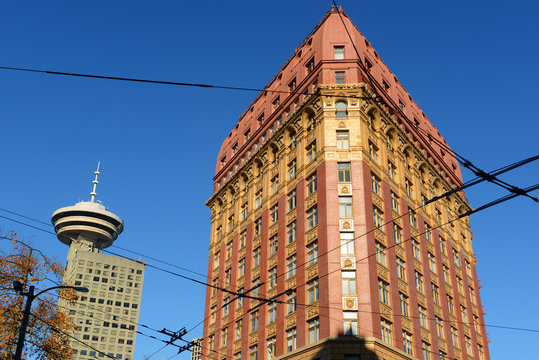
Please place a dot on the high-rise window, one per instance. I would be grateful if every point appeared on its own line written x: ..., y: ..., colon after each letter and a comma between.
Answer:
x: 291, y: 266
x: 292, y: 200
x: 409, y: 186
x: 373, y: 152
x: 291, y: 232
x: 253, y: 352
x: 310, y: 65
x: 342, y: 139
x: 443, y: 247
x: 407, y: 343
x: 258, y: 198
x: 273, y: 244
x: 291, y: 302
x: 418, y: 282
x: 435, y: 294
x: 381, y: 254
x: 376, y: 184
x: 383, y: 291
x: 401, y: 269
x: 272, y: 347
x: 229, y: 250
x: 347, y: 244
x: 244, y: 211
x: 254, y: 320
x: 311, y: 151
x: 243, y: 239
x: 256, y: 257
x: 312, y: 291
x: 432, y: 262
x: 413, y: 219
x: 312, y: 217
x: 292, y: 169
x: 338, y: 52
x: 350, y: 323
x: 274, y: 214
x: 416, y: 251
x: 312, y: 252
x: 425, y: 347
x: 341, y: 109
x: 394, y: 202
x: 378, y: 217
x: 397, y: 234
x: 439, y: 327
x: 386, y: 332
x: 291, y: 340
x: 454, y: 337
x: 272, y: 276
x: 311, y: 184
x: 224, y: 336
x: 272, y: 312
x: 392, y: 171
x: 403, y: 302
x: 239, y: 329
x: 274, y: 186
x: 423, y: 321
x: 345, y: 206
x: 339, y: 77
x: 447, y: 276
x: 349, y: 283
x: 314, y: 330
x: 258, y: 227
x: 344, y: 172
x: 241, y: 268
x: 428, y: 232
x: 450, y: 305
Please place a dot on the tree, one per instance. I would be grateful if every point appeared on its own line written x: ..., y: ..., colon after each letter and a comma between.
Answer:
x: 49, y: 329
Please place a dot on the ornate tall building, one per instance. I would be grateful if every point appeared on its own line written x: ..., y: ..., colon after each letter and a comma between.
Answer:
x: 106, y: 317
x: 321, y: 202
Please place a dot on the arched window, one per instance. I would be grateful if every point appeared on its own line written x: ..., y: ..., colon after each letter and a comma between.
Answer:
x: 341, y: 109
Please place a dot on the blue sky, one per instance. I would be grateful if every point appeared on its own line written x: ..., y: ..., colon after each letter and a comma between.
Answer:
x: 472, y: 68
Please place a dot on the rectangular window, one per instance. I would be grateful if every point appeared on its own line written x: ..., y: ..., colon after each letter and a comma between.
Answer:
x: 254, y: 320
x: 310, y: 65
x: 258, y: 227
x: 292, y: 85
x: 244, y: 210
x: 272, y: 276
x: 216, y: 260
x: 381, y: 254
x: 312, y: 217
x: 291, y: 337
x: 416, y: 252
x: 274, y: 186
x: 243, y: 239
x: 383, y: 291
x: 454, y: 337
x: 291, y: 302
x: 291, y: 266
x: 345, y: 206
x: 392, y: 171
x: 426, y: 350
x: 258, y: 198
x: 401, y: 269
x: 394, y: 202
x: 435, y: 294
x: 378, y: 217
x: 312, y: 291
x: 413, y: 219
x: 276, y: 103
x: 274, y: 214
x: 311, y: 184
x: 350, y: 323
x: 376, y: 185
x: 314, y: 330
x: 292, y: 169
x: 256, y: 257
x: 291, y: 232
x: 386, y: 332
x: 468, y: 342
x: 450, y: 305
x: 373, y: 152
x: 230, y: 222
x: 347, y: 245
x: 228, y: 277
x: 423, y: 321
x: 456, y: 258
x: 407, y: 343
x: 439, y: 327
x: 403, y: 302
x: 292, y: 200
x: 224, y: 336
x: 443, y: 247
x: 349, y: 283
x: 229, y: 250
x: 312, y: 252
x: 339, y: 77
x: 432, y: 262
x: 239, y: 325
x: 409, y: 188
x: 418, y: 282
x: 272, y: 312
x: 344, y: 172
x: 339, y: 52
x: 397, y: 234
x: 311, y: 151
x: 273, y: 244
x: 342, y: 140
x: 253, y: 352
x: 241, y: 268
x: 428, y: 232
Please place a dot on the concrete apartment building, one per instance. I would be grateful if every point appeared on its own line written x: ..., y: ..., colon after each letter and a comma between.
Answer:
x: 106, y: 317
x: 319, y: 202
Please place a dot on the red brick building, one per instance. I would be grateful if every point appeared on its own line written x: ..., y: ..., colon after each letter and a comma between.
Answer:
x: 319, y: 201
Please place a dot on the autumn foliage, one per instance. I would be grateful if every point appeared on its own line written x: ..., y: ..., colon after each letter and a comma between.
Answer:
x: 49, y: 326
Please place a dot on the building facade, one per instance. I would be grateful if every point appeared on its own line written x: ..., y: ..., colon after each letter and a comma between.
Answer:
x: 321, y: 202
x: 106, y: 317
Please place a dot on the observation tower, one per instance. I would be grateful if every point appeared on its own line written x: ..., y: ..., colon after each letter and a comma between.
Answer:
x: 87, y: 221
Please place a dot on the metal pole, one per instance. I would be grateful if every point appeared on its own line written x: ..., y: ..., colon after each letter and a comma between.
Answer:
x: 24, y: 324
